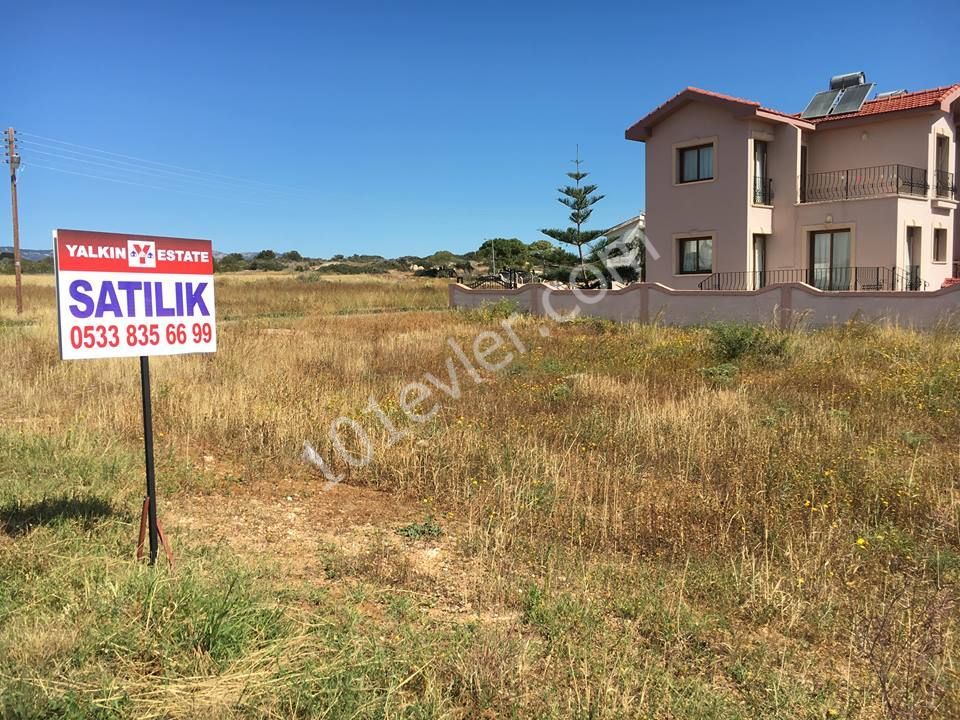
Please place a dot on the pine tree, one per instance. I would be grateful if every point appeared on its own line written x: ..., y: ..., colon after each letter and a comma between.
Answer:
x: 580, y: 199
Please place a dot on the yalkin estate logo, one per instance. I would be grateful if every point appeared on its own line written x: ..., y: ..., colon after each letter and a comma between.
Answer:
x: 141, y: 254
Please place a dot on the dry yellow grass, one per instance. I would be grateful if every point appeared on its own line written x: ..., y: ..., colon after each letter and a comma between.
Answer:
x: 673, y: 532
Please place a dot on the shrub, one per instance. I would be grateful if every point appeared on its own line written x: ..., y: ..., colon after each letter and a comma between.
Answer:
x: 27, y: 267
x: 266, y: 264
x: 429, y: 528
x: 348, y: 268
x: 231, y: 262
x: 559, y: 274
x: 560, y: 392
x: 732, y: 341
x: 721, y: 375
x: 499, y: 310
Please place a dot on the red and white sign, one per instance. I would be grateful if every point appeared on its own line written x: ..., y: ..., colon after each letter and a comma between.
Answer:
x: 130, y: 295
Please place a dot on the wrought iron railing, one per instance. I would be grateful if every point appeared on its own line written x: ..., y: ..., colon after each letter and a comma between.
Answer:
x: 946, y: 184
x: 956, y: 268
x: 509, y: 279
x: 752, y: 280
x: 864, y: 183
x: 833, y: 279
x: 489, y: 281
x: 908, y: 278
x: 763, y: 190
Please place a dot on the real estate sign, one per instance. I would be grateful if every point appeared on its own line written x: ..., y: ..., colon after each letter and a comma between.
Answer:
x: 133, y: 295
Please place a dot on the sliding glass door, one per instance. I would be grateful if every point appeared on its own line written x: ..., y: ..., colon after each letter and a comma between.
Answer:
x: 830, y: 260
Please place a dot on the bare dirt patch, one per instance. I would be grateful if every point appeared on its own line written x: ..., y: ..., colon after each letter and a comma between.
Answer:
x: 322, y: 536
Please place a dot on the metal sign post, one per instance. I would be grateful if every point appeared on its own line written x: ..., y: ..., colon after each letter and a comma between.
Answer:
x: 151, y: 500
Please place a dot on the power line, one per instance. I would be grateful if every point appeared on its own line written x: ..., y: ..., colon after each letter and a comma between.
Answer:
x: 125, y: 166
x: 131, y: 182
x: 155, y: 162
x: 162, y: 175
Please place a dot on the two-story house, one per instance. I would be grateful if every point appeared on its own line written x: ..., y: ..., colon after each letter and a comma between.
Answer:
x: 848, y: 195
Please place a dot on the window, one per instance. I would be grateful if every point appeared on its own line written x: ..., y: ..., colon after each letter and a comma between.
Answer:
x: 914, y: 249
x: 803, y: 173
x: 762, y: 187
x: 759, y: 158
x: 913, y: 245
x: 940, y: 245
x: 759, y: 261
x: 943, y: 153
x: 696, y: 255
x: 945, y: 185
x: 695, y: 163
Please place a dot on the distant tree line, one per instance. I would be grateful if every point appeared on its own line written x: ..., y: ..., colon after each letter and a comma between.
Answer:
x: 263, y: 260
x: 27, y: 267
x: 541, y: 256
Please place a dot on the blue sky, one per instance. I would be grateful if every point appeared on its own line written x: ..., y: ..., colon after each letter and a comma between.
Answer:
x: 395, y: 128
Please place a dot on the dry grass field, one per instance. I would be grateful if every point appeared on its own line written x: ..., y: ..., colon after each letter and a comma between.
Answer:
x: 623, y: 521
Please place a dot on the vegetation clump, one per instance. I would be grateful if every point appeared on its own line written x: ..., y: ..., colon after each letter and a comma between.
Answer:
x: 735, y: 341
x: 429, y: 528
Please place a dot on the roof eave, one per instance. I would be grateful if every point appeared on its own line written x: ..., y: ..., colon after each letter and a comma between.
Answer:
x: 642, y: 130
x: 625, y: 224
x: 777, y: 117
x: 950, y: 98
x: 638, y: 132
x: 876, y: 117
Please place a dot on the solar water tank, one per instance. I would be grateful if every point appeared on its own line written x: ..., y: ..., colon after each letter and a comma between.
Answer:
x: 839, y: 82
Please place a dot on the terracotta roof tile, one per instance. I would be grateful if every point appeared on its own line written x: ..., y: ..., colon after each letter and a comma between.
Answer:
x: 907, y: 101
x: 636, y: 131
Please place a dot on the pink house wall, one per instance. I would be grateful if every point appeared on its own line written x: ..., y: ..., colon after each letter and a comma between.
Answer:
x: 956, y: 214
x: 716, y: 207
x: 886, y: 141
x: 724, y: 209
x: 872, y: 224
x: 879, y: 225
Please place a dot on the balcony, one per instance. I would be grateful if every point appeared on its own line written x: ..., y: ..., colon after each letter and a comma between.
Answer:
x: 945, y: 185
x: 868, y: 182
x: 838, y: 279
x: 762, y: 191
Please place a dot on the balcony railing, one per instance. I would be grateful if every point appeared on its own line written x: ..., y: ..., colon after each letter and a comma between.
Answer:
x: 946, y: 184
x: 833, y: 279
x: 908, y: 278
x: 864, y: 183
x: 763, y: 190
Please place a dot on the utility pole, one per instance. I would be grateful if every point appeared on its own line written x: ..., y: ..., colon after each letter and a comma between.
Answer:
x: 493, y: 251
x: 14, y: 161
